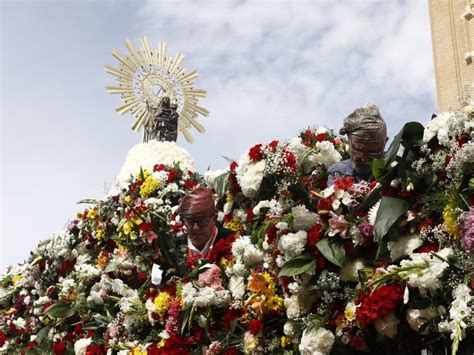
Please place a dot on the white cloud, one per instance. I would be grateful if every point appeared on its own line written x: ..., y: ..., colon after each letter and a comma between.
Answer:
x: 273, y: 68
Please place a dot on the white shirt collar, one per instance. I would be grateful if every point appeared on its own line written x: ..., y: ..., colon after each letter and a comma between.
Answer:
x: 206, y: 248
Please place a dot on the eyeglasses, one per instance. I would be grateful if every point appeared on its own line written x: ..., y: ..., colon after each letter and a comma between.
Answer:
x: 201, y: 222
x: 372, y: 155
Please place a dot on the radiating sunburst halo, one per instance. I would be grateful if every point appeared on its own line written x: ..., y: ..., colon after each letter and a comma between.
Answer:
x: 146, y: 75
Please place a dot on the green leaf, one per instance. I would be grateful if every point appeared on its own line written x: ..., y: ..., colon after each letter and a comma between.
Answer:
x: 392, y: 151
x: 299, y: 265
x: 378, y: 168
x: 42, y: 334
x: 390, y: 210
x: 412, y: 133
x: 332, y: 250
x: 221, y: 184
x: 60, y: 310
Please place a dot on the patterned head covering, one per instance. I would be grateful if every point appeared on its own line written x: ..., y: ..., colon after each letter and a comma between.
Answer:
x: 365, y: 124
x: 200, y: 201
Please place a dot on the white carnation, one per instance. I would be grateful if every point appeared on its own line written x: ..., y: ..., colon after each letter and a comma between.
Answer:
x: 237, y: 286
x: 291, y: 328
x: 417, y: 317
x: 81, y: 345
x: 188, y: 294
x: 387, y: 325
x: 292, y: 244
x: 249, y: 175
x: 318, y: 341
x: 327, y: 154
x: 246, y: 252
x: 303, y: 219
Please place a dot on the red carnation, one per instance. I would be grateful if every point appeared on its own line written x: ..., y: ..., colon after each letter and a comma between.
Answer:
x: 271, y: 233
x: 233, y: 166
x: 255, y: 326
x: 314, y: 236
x: 321, y: 137
x: 145, y: 227
x: 189, y: 184
x: 273, y: 145
x: 344, y: 183
x: 290, y: 161
x: 230, y: 315
x: 250, y: 215
x: 59, y: 348
x: 96, y: 350
x: 255, y: 153
x: 3, y: 338
x: 222, y: 249
x: 172, y: 175
x: 159, y: 167
x: 428, y: 248
x: 324, y: 204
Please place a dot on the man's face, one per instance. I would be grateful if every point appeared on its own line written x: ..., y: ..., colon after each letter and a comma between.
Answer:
x: 362, y: 153
x: 200, y: 226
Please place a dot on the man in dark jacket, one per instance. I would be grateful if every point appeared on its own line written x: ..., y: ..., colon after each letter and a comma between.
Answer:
x: 367, y: 133
x: 198, y: 213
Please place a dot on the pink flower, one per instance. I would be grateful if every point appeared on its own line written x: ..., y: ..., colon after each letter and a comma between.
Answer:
x: 214, y: 349
x: 337, y: 225
x: 211, y: 278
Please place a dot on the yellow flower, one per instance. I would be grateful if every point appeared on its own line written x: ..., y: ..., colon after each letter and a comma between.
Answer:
x: 162, y: 302
x: 100, y: 234
x: 122, y: 248
x: 16, y: 279
x: 233, y: 225
x: 137, y: 351
x: 127, y: 199
x: 127, y: 227
x: 91, y: 214
x: 226, y: 263
x: 161, y: 343
x: 349, y: 312
x: 274, y: 303
x: 450, y: 219
x: 285, y: 341
x: 229, y: 197
x: 149, y: 186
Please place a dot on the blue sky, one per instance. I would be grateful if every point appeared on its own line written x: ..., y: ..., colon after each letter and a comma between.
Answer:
x: 271, y: 68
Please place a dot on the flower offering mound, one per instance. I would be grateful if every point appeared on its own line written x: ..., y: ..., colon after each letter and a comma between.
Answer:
x: 384, y: 266
x: 145, y: 156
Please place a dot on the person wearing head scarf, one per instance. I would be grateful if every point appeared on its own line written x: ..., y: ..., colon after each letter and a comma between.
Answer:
x: 198, y: 213
x: 367, y: 133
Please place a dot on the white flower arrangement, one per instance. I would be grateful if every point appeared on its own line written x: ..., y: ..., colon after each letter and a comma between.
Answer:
x: 145, y: 156
x: 424, y: 270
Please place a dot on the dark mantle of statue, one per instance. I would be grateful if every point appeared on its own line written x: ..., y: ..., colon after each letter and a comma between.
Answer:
x: 164, y: 123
